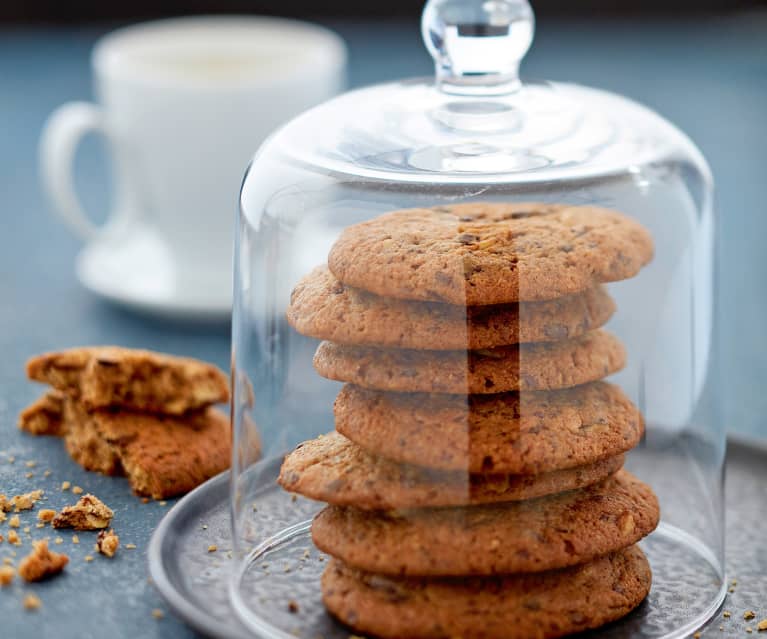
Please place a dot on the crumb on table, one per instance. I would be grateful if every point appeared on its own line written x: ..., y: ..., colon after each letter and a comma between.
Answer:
x: 89, y: 513
x: 26, y: 501
x: 32, y: 602
x: 7, y: 574
x: 41, y: 562
x: 46, y: 515
x: 107, y: 543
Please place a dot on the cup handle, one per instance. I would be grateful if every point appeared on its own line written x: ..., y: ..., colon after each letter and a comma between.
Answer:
x: 61, y: 135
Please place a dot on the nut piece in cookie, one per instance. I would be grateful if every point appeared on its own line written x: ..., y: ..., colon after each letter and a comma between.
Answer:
x: 41, y: 563
x: 104, y: 376
x: 108, y: 543
x: 43, y: 417
x: 89, y: 513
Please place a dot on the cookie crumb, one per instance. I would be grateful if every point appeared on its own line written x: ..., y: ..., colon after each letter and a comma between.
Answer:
x: 58, y: 540
x: 77, y: 490
x: 145, y: 500
x: 7, y: 561
x: 726, y: 614
x: 29, y: 475
x: 749, y: 615
x: 749, y: 629
x: 75, y: 539
x: 762, y: 625
x: 88, y: 558
x: 157, y: 613
x: 47, y: 473
x: 41, y: 563
x: 212, y: 548
x: 46, y: 515
x: 26, y: 501
x: 292, y: 606
x: 163, y: 503
x: 293, y: 497
x: 696, y: 636
x: 39, y: 524
x: 32, y: 602
x: 65, y: 485
x: 108, y: 543
x: 89, y: 513
x: 3, y: 516
x: 130, y: 546
x: 6, y: 575
x: 13, y: 538
x: 27, y: 530
x: 14, y: 522
x: 30, y: 464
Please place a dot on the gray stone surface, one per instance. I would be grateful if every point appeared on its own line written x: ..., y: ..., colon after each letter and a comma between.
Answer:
x: 707, y: 76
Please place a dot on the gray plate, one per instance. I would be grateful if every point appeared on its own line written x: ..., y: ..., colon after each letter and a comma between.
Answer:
x: 194, y: 582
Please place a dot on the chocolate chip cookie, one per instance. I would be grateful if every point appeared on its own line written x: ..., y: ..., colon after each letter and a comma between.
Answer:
x: 490, y: 253
x: 527, y: 536
x: 542, y: 605
x: 324, y: 308
x: 520, y: 367
x: 518, y: 433
x: 334, y: 470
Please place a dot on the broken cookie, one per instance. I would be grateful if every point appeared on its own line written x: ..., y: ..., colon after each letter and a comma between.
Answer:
x: 43, y: 417
x: 142, y: 380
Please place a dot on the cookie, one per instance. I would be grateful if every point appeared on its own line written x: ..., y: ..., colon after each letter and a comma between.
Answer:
x: 513, y: 433
x: 162, y: 456
x: 324, y: 308
x: 520, y: 367
x: 490, y: 253
x: 541, y: 606
x: 103, y: 376
x: 527, y: 536
x: 334, y: 470
x: 43, y: 416
x: 87, y: 447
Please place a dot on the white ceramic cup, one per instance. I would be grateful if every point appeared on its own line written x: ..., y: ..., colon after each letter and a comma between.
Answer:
x: 184, y: 103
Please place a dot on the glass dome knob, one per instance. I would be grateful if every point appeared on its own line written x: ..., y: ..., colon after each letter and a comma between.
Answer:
x: 477, y: 45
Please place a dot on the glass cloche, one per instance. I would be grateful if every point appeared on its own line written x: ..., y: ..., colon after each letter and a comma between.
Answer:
x: 473, y: 357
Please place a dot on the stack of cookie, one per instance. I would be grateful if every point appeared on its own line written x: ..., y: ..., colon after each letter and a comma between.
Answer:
x: 137, y: 413
x: 475, y: 481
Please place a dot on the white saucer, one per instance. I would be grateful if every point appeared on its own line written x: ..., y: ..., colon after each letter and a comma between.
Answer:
x: 137, y: 271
